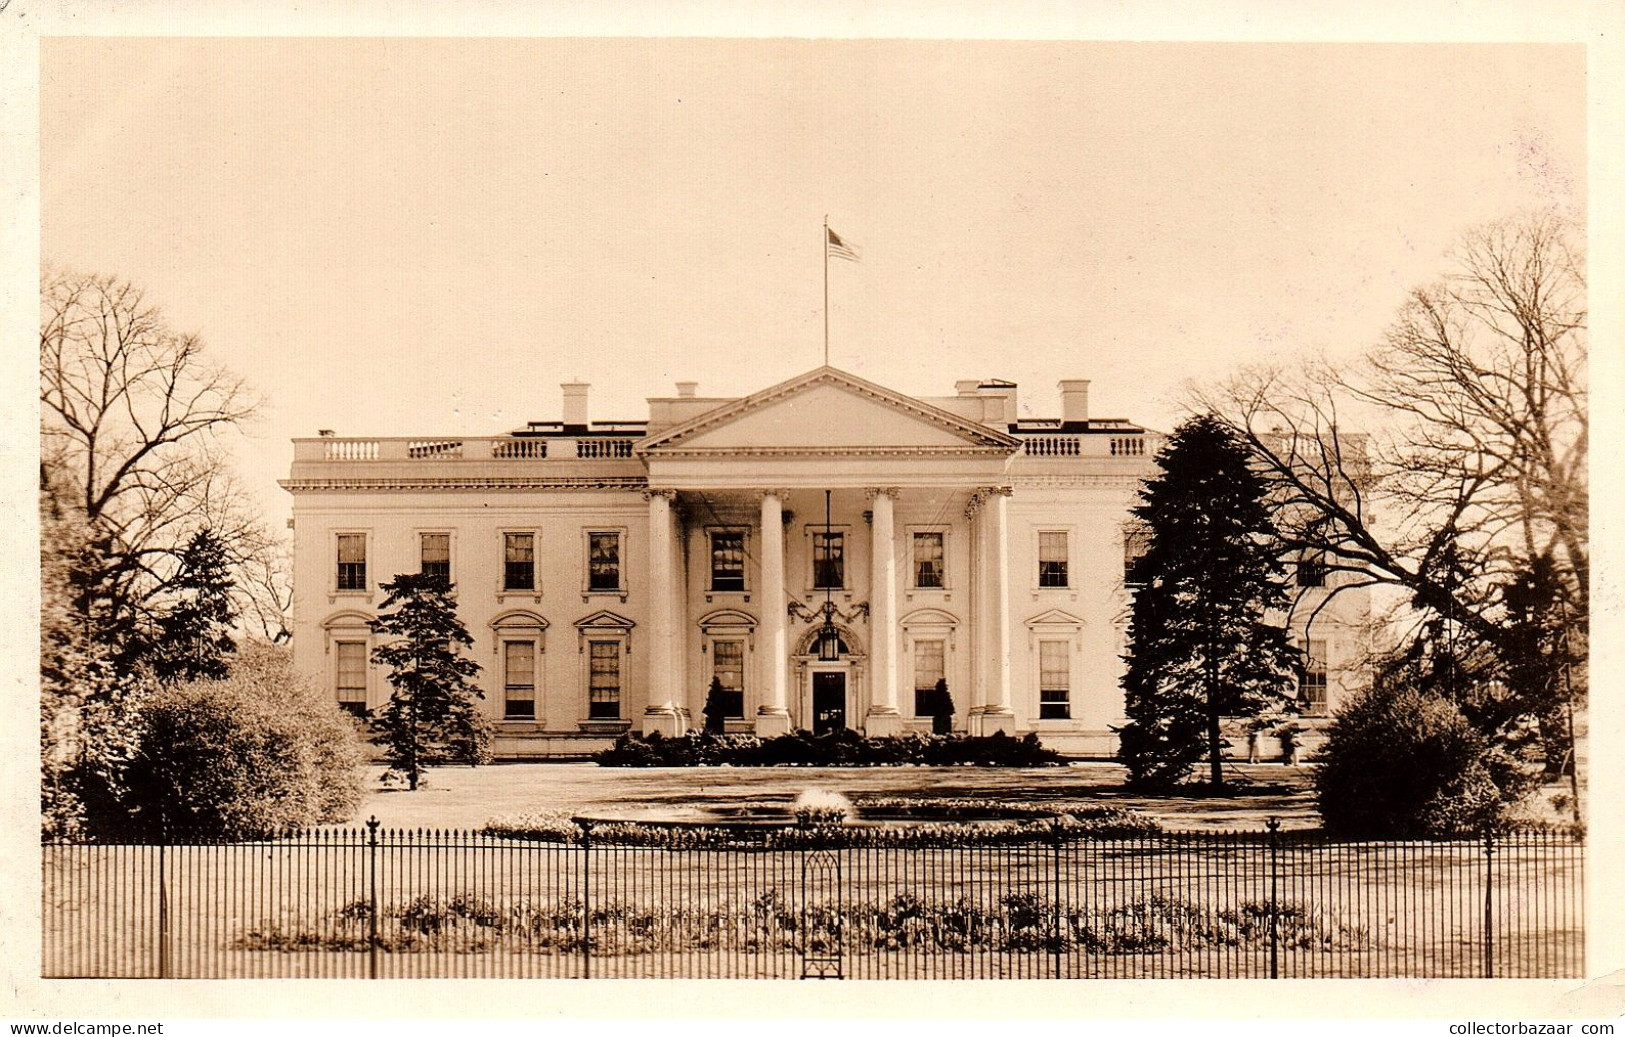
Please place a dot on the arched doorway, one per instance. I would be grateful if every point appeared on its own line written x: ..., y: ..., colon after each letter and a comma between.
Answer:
x: 829, y: 698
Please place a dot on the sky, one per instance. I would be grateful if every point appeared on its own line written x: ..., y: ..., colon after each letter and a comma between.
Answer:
x: 426, y: 236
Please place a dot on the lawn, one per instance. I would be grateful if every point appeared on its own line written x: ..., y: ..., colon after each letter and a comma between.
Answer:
x: 466, y: 798
x: 1159, y: 905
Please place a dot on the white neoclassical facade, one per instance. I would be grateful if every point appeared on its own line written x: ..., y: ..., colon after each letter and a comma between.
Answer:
x: 611, y: 572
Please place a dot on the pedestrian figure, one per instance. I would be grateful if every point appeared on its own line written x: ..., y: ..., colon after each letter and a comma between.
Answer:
x: 942, y: 709
x: 715, y: 711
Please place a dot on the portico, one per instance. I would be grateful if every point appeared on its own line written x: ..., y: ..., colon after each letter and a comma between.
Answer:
x: 872, y: 451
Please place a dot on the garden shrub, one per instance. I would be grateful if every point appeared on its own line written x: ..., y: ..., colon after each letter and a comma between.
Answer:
x: 1019, y: 922
x: 1402, y: 763
x: 844, y: 748
x: 248, y: 756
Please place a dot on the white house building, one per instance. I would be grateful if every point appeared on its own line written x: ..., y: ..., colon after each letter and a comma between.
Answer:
x: 610, y: 571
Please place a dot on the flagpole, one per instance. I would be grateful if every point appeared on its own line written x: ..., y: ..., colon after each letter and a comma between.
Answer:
x: 825, y: 246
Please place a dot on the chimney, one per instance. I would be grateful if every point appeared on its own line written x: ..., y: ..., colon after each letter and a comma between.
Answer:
x: 998, y: 401
x: 575, y: 404
x: 1074, y: 401
x: 686, y: 390
x: 966, y: 386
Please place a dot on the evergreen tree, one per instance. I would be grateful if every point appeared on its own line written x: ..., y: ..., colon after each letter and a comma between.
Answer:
x: 1201, y: 645
x: 194, y: 637
x: 433, y: 716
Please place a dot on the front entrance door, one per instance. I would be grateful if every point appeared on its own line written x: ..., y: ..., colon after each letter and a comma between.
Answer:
x: 828, y: 702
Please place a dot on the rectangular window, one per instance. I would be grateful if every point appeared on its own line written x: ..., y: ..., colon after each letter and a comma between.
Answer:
x: 604, y: 680
x: 1135, y: 544
x: 604, y: 561
x: 1054, y: 681
x: 927, y: 560
x: 829, y: 561
x: 519, y: 679
x: 1312, y: 569
x: 928, y: 670
x: 1052, y: 560
x: 352, y: 562
x: 352, y: 676
x: 727, y: 561
x: 435, y: 555
x: 728, y: 666
x: 1312, y: 682
x: 518, y: 561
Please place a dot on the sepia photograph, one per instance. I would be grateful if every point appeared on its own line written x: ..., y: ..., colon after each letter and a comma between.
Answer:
x: 692, y: 507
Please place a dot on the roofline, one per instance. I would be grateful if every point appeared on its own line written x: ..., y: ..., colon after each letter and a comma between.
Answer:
x: 992, y: 436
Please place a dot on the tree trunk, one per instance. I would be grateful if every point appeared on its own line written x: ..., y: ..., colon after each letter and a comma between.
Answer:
x: 1214, y: 741
x: 412, y: 752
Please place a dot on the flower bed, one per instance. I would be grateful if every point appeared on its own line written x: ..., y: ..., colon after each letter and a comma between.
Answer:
x: 1015, y: 922
x: 1029, y: 824
x: 844, y: 748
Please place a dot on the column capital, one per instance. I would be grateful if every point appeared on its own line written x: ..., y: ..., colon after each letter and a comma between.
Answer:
x: 651, y: 493
x: 981, y: 495
x: 889, y: 492
x: 779, y: 495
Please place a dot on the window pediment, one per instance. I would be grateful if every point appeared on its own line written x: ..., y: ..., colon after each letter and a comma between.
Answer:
x: 1054, y: 619
x: 605, y: 621
x: 519, y: 619
x: 727, y: 619
x: 929, y: 618
x: 347, y: 619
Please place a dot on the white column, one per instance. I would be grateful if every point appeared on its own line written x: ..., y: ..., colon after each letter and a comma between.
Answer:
x: 976, y: 621
x: 679, y: 623
x: 883, y: 717
x: 661, y: 714
x: 772, y: 651
x: 994, y: 712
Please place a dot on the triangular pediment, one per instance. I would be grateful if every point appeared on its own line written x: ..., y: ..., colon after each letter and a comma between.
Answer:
x: 1055, y: 618
x: 604, y: 619
x: 827, y: 410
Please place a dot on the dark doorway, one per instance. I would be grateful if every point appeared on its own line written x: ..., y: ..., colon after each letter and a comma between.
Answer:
x: 828, y: 702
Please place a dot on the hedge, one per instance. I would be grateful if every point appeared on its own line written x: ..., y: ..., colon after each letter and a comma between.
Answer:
x: 845, y: 748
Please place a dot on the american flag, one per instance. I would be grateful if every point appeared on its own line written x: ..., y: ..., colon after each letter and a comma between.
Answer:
x: 840, y: 249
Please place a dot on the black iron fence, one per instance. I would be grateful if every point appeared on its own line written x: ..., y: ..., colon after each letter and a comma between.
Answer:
x: 775, y: 903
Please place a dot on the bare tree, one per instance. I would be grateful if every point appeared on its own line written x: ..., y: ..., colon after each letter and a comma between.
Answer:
x: 130, y: 415
x: 265, y: 585
x: 1452, y: 459
x: 1488, y: 367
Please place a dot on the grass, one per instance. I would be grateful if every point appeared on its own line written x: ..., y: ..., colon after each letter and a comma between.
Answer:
x: 467, y: 798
